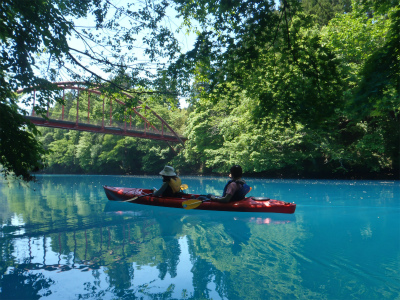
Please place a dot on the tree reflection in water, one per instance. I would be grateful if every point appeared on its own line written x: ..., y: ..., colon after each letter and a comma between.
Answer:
x: 18, y: 283
x: 120, y: 250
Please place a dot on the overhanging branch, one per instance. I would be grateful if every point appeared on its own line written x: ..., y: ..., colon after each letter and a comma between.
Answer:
x: 114, y: 84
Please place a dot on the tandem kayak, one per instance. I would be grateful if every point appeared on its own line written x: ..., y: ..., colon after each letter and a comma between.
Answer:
x: 248, y: 204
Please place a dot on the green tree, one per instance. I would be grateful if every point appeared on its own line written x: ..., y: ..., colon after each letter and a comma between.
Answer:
x: 74, y: 152
x: 43, y: 35
x: 328, y: 85
x: 276, y: 88
x: 276, y: 56
x: 326, y: 10
x: 353, y: 38
x: 62, y: 154
x: 20, y: 152
x: 366, y: 41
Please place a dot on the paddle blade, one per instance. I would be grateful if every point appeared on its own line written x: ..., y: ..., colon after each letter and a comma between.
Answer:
x: 192, y: 203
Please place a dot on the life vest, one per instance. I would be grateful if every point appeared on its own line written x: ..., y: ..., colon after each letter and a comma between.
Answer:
x: 175, y: 184
x: 174, y: 187
x: 240, y: 192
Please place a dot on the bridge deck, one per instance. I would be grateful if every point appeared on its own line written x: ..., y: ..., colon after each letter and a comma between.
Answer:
x: 62, y: 124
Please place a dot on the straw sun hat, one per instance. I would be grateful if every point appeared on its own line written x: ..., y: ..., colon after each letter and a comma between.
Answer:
x: 168, y: 171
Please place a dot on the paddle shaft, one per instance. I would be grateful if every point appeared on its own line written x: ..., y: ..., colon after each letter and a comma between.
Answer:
x: 137, y: 197
x: 183, y: 187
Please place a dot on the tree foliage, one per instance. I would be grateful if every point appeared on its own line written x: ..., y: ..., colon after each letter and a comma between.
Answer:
x: 74, y: 152
x: 21, y: 158
x: 295, y: 88
x: 44, y: 41
x: 326, y: 10
x: 334, y: 83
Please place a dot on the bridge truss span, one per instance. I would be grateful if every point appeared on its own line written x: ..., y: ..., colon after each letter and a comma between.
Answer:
x: 98, y: 115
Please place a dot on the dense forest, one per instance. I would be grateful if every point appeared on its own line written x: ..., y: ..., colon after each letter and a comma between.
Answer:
x: 295, y: 89
x: 313, y: 99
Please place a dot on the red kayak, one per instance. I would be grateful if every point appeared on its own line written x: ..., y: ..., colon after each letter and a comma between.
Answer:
x: 249, y: 204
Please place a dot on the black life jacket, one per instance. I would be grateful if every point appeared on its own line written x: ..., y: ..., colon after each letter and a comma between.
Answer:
x: 240, y: 193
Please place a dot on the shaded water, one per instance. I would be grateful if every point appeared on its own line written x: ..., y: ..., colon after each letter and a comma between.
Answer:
x: 62, y: 239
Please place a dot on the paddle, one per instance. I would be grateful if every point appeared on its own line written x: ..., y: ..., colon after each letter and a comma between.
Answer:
x: 137, y: 197
x: 183, y: 187
x: 193, y: 203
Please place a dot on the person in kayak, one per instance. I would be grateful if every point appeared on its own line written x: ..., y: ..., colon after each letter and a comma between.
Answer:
x: 236, y: 188
x: 171, y: 183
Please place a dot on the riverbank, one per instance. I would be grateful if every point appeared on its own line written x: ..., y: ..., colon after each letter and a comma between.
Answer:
x: 361, y: 175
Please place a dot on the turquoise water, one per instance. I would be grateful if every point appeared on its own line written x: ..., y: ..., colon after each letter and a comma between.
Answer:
x: 60, y: 238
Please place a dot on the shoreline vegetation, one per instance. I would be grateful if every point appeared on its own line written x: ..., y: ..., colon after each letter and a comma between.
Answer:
x: 295, y: 90
x: 265, y: 175
x: 219, y: 136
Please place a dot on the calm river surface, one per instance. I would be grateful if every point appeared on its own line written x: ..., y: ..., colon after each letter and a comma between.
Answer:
x: 60, y: 238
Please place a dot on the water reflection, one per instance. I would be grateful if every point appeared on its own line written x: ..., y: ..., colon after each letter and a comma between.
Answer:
x: 64, y: 240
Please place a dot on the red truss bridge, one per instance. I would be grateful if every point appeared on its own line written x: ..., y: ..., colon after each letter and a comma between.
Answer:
x: 154, y: 130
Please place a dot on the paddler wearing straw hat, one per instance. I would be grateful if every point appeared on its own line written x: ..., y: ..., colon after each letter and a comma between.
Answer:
x: 171, y: 183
